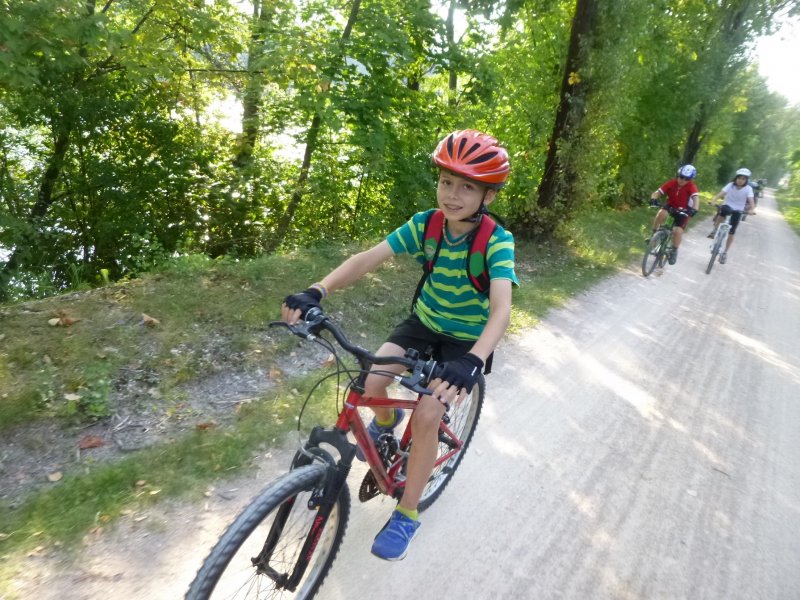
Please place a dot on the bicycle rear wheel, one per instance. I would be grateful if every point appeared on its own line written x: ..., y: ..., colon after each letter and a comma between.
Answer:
x: 654, y: 253
x: 464, y: 417
x: 229, y: 570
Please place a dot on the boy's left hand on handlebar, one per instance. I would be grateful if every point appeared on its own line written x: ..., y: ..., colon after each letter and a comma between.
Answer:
x: 457, y: 378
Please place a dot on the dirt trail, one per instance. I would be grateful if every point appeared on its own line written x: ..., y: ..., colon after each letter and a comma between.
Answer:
x: 642, y: 442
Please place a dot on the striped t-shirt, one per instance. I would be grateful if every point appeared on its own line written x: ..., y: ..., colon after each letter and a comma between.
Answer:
x: 448, y: 302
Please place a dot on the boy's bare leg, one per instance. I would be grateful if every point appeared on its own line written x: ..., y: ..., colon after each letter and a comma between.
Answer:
x: 661, y: 216
x: 677, y: 236
x: 425, y: 428
x: 376, y: 385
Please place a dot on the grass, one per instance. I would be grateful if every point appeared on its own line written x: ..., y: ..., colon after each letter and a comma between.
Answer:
x: 198, y: 302
x: 789, y: 205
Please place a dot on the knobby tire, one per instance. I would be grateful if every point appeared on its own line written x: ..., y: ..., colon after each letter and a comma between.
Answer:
x: 228, y: 571
x: 464, y: 417
x: 714, y: 252
x: 654, y: 255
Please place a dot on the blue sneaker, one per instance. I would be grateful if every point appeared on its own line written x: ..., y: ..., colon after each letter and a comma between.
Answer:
x: 392, y: 541
x: 375, y: 431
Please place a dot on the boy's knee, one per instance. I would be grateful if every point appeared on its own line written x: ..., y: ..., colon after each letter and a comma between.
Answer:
x: 428, y: 413
x: 376, y: 386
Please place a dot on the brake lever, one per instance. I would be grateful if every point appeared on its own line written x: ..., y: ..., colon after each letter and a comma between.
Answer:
x: 422, y: 371
x: 313, y: 320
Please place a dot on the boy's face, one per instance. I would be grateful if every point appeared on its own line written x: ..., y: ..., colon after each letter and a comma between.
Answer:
x: 741, y: 180
x: 459, y: 197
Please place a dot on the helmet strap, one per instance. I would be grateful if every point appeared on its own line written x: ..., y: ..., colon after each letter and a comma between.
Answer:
x: 482, y: 210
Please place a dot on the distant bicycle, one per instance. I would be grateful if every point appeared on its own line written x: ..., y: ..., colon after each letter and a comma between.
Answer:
x: 660, y: 244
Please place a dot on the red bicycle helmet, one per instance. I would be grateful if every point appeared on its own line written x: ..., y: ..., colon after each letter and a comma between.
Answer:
x: 474, y: 155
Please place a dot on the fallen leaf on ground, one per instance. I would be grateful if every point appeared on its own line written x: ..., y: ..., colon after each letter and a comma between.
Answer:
x: 149, y: 321
x: 62, y: 320
x: 91, y: 441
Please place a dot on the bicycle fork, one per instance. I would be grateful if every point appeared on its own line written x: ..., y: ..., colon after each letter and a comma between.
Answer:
x: 323, y: 499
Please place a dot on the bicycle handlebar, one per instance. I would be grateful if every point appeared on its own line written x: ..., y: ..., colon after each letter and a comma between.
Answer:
x: 422, y: 371
x: 671, y: 210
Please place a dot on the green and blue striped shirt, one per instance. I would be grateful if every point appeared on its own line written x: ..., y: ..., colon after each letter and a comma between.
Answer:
x: 448, y: 302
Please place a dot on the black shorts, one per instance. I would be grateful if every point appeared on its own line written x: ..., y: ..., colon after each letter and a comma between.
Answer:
x: 736, y: 216
x: 412, y: 333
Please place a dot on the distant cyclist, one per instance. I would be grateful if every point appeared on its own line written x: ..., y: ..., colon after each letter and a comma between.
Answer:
x: 682, y: 195
x: 758, y: 191
x: 739, y: 197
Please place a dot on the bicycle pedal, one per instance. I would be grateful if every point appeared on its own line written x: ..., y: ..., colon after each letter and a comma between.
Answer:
x: 369, y: 488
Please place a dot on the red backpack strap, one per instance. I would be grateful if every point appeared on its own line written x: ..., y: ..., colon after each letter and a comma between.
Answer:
x: 432, y: 239
x: 477, y: 263
x: 431, y: 244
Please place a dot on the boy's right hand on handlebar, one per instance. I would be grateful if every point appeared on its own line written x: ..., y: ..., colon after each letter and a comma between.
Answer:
x: 296, y: 306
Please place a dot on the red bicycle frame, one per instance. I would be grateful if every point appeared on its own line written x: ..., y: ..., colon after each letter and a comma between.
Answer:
x: 388, y: 480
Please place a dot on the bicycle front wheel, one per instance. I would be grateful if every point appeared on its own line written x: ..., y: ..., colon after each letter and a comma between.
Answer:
x: 281, y: 514
x: 464, y: 417
x: 714, y: 252
x: 654, y: 253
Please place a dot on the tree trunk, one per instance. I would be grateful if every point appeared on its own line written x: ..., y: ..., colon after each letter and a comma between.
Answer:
x: 732, y: 30
x: 555, y: 195
x: 251, y: 103
x: 312, y: 141
x: 43, y: 202
x: 695, y: 139
x: 452, y: 83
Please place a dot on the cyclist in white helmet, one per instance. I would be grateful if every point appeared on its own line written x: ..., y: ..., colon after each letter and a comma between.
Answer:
x: 738, y: 198
x: 682, y: 202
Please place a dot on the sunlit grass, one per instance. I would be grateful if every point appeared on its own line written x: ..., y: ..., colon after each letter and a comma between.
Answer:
x: 789, y: 205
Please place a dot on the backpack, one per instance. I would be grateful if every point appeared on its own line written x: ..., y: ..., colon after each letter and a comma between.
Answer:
x: 477, y: 265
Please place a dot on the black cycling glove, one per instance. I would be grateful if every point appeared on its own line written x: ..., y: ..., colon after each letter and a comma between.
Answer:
x: 462, y: 372
x: 691, y: 211
x: 304, y: 301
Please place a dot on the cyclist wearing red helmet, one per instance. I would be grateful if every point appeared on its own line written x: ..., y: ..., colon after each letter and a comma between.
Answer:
x: 461, y: 323
x: 683, y: 200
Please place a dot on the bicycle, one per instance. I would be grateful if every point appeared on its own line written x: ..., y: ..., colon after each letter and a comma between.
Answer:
x: 719, y: 242
x: 659, y: 246
x: 284, y: 543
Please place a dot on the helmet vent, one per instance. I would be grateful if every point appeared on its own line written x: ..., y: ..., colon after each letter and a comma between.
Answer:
x: 482, y: 158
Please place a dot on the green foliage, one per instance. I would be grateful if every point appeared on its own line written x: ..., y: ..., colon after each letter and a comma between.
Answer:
x: 110, y: 163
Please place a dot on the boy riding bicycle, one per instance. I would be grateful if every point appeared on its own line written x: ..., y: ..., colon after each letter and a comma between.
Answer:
x: 682, y: 195
x: 461, y: 323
